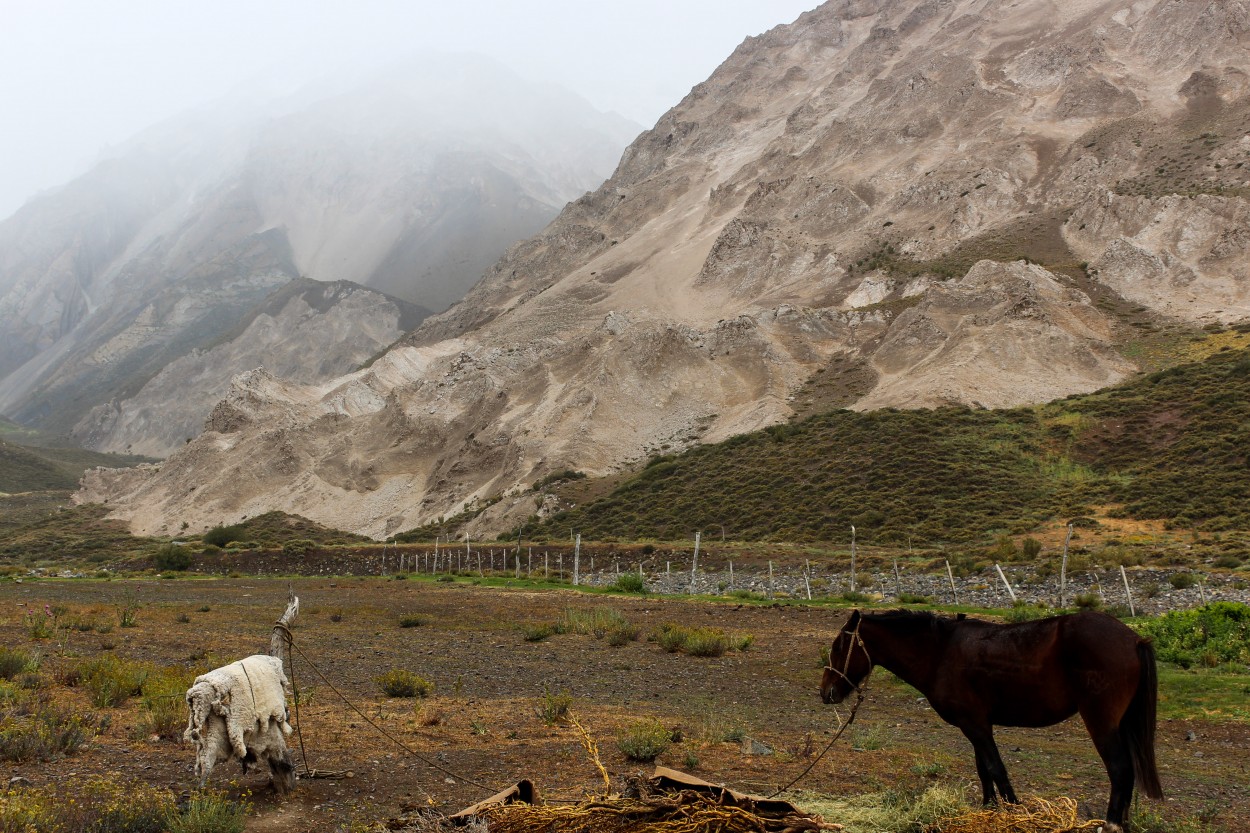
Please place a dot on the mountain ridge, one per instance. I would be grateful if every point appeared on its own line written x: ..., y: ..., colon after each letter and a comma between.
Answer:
x: 856, y: 189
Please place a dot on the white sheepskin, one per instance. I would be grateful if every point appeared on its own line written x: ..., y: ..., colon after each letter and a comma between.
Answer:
x: 239, y: 711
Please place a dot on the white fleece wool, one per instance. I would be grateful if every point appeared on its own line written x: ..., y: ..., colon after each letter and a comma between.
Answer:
x: 242, y: 698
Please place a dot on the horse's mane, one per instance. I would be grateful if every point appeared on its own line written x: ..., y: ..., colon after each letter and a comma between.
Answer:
x: 911, y: 619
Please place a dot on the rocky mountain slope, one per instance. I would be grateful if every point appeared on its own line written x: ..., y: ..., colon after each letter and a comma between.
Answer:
x: 409, y: 183
x: 921, y: 202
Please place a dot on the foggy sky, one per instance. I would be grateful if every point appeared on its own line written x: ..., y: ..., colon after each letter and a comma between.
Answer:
x: 79, y: 75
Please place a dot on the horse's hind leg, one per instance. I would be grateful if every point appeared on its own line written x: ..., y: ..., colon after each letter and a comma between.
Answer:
x: 990, y: 767
x: 1119, y: 763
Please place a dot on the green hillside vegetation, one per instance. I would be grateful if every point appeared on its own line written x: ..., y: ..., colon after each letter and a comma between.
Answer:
x: 274, y: 529
x: 48, y: 535
x: 1173, y: 445
x: 26, y: 469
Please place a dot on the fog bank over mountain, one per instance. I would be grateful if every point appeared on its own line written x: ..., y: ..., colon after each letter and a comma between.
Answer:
x: 405, y: 184
x: 78, y: 76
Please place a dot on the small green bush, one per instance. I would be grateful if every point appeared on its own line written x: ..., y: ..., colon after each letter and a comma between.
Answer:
x: 597, y: 622
x: 554, y: 707
x: 164, y: 704
x: 672, y: 638
x: 43, y: 733
x: 1182, y: 581
x: 172, y: 557
x: 399, y: 682
x: 706, y: 642
x: 700, y: 642
x: 537, y: 633
x: 912, y: 599
x: 1088, y: 601
x: 1210, y: 635
x: 411, y: 620
x: 630, y: 583
x: 621, y: 634
x: 111, y: 681
x: 1022, y: 611
x: 298, y: 546
x: 13, y: 661
x: 209, y: 812
x: 644, y: 740
x: 220, y: 536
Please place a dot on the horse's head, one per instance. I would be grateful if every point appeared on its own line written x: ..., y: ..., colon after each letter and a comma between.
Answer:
x: 848, y: 664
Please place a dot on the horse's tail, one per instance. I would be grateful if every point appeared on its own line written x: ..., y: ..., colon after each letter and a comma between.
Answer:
x: 1137, y: 727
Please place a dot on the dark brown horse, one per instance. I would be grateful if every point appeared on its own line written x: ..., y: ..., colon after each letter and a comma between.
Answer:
x: 978, y: 675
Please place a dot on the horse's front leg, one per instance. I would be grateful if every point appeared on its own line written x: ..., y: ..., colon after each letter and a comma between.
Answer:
x: 983, y: 767
x: 990, y: 766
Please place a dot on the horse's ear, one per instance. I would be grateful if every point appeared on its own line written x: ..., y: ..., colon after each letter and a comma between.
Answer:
x: 854, y: 620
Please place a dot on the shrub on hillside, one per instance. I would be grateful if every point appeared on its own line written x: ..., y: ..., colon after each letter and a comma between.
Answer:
x: 171, y: 557
x: 220, y: 536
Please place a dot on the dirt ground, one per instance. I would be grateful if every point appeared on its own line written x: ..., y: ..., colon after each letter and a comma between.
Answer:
x: 750, y: 720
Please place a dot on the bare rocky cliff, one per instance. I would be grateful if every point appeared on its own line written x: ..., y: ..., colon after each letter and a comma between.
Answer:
x: 930, y: 201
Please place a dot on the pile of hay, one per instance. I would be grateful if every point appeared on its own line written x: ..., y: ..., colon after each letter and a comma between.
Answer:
x: 687, y: 811
x: 1031, y: 815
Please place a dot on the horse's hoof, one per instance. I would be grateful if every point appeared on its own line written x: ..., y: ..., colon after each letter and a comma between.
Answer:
x: 1111, y: 827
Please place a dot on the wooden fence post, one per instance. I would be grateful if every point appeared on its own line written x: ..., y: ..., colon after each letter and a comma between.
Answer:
x: 694, y: 563
x: 951, y: 575
x: 1128, y: 593
x: 1007, y: 584
x: 1063, y: 570
x: 853, y: 582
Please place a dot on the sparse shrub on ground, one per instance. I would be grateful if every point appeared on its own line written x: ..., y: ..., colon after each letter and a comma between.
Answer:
x: 597, y: 622
x: 111, y: 681
x: 706, y: 642
x: 644, y: 740
x: 855, y: 597
x: 34, y: 731
x: 621, y: 634
x: 399, y: 682
x: 1031, y: 548
x: 699, y: 642
x: 13, y: 661
x: 554, y: 707
x: 538, y: 632
x: 106, y: 805
x: 912, y: 599
x: 164, y: 705
x: 411, y: 620
x: 209, y: 812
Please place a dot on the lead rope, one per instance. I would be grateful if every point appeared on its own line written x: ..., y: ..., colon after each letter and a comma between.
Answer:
x: 856, y: 639
x: 384, y: 733
x: 287, y: 639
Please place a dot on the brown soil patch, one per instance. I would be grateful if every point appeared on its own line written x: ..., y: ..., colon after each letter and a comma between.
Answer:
x: 482, y: 725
